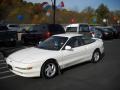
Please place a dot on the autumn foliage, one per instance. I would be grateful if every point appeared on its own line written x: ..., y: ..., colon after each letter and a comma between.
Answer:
x: 20, y: 11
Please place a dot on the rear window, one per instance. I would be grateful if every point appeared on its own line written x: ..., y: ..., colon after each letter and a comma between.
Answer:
x: 88, y: 40
x: 56, y: 29
x: 71, y: 29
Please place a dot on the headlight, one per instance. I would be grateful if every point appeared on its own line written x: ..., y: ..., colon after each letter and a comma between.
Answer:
x: 27, y: 68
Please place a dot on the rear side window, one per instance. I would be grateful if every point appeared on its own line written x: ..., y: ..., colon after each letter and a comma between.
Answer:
x: 88, y: 40
x: 56, y: 29
x: 84, y: 28
x: 71, y: 29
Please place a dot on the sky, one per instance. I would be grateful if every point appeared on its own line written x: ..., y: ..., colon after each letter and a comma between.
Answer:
x: 79, y: 5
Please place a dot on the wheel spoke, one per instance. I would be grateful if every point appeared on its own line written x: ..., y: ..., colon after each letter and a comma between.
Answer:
x: 50, y: 70
x: 96, y: 56
x: 48, y: 73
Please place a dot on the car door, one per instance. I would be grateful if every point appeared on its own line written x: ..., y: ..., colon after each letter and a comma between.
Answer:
x: 76, y: 54
x: 90, y: 47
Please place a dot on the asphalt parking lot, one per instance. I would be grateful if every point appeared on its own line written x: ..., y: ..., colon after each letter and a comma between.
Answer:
x: 104, y: 75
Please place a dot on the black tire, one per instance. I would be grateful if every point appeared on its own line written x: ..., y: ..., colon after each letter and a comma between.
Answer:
x: 96, y: 56
x: 1, y: 56
x: 52, y: 69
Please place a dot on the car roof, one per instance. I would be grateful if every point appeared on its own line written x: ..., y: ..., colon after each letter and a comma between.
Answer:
x: 76, y: 24
x: 103, y: 26
x: 69, y: 35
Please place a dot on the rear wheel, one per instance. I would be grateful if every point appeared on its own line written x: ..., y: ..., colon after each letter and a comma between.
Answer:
x: 49, y: 69
x: 96, y: 56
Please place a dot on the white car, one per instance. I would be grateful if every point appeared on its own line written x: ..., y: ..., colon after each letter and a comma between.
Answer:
x: 77, y: 27
x: 80, y: 28
x: 55, y: 53
x: 13, y: 27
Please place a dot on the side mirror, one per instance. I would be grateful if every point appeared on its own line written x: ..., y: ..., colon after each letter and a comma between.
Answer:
x: 68, y: 48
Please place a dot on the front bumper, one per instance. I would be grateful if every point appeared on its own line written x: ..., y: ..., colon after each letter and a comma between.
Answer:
x: 33, y: 72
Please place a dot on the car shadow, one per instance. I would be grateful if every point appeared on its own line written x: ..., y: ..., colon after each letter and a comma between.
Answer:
x: 82, y: 64
x: 74, y: 66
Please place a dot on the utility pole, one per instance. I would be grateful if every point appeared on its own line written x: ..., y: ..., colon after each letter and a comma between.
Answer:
x: 54, y: 11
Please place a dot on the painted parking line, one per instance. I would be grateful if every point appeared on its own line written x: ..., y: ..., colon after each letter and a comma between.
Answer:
x: 3, y: 63
x: 3, y: 67
x: 5, y: 72
x: 7, y: 76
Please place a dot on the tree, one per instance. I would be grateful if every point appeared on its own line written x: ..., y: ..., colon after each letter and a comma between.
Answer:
x: 88, y: 10
x: 88, y: 14
x: 102, y: 13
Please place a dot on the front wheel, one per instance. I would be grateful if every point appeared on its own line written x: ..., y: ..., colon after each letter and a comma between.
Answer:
x: 49, y: 69
x: 96, y: 56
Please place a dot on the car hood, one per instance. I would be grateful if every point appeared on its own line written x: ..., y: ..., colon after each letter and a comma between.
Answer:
x: 33, y: 54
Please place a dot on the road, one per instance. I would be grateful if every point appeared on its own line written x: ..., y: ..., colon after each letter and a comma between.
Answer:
x: 104, y: 75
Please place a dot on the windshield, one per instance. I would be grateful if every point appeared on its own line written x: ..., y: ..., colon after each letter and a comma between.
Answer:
x: 105, y: 29
x: 53, y: 43
x: 112, y: 29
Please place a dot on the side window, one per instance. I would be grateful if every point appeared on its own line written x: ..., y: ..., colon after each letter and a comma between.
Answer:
x: 42, y: 28
x: 56, y: 29
x: 75, y: 42
x: 60, y: 29
x: 84, y: 28
x: 34, y: 28
x: 38, y: 28
x: 81, y: 41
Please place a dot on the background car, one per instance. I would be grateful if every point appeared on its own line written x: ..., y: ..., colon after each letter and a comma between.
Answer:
x: 105, y: 32
x: 117, y: 27
x: 7, y: 37
x: 41, y: 32
x: 96, y: 33
x: 13, y: 27
x: 56, y: 53
x: 80, y: 28
x: 115, y: 32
